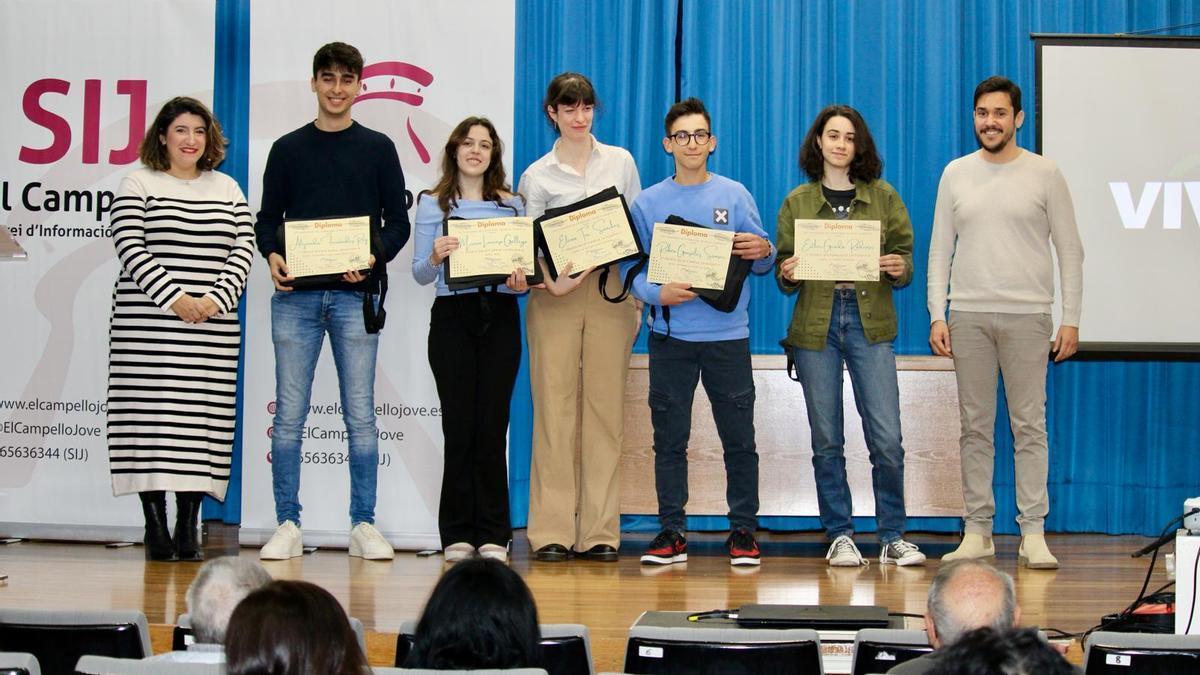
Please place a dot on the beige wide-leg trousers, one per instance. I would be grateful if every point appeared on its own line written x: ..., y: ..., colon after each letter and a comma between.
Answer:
x: 578, y: 359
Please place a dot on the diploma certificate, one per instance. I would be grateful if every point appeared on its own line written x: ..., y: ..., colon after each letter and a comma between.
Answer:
x: 491, y: 246
x: 694, y: 255
x: 837, y: 250
x: 327, y: 246
x: 590, y: 237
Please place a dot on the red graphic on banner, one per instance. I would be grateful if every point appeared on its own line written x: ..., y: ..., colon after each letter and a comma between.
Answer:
x: 60, y: 128
x: 391, y: 70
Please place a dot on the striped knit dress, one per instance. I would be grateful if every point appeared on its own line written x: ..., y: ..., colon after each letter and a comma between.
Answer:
x: 171, y: 384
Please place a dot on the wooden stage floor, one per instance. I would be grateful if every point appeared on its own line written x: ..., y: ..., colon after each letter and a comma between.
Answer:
x: 1097, y: 577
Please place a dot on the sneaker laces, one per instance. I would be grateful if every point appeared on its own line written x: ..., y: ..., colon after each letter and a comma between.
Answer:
x: 901, y: 548
x: 844, y: 544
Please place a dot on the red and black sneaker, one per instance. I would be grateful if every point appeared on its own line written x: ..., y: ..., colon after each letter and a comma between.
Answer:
x: 743, y: 549
x: 668, y: 547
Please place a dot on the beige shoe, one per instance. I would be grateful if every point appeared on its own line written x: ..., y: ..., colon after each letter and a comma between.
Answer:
x: 1034, y: 553
x: 972, y: 547
x: 494, y: 551
x: 458, y: 551
x: 287, y: 542
x: 367, y: 543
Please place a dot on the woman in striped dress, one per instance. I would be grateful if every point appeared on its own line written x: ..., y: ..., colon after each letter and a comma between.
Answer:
x: 185, y: 240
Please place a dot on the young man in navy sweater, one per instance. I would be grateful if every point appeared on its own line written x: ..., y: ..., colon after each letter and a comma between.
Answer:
x: 691, y: 341
x: 331, y: 167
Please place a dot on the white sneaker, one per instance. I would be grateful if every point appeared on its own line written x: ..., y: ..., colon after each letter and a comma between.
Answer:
x: 494, y: 551
x: 368, y: 544
x: 843, y: 553
x: 901, y: 553
x: 287, y: 542
x: 457, y: 551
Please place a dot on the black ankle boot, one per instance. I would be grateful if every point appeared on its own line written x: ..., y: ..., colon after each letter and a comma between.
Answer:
x: 158, y: 538
x: 187, y: 532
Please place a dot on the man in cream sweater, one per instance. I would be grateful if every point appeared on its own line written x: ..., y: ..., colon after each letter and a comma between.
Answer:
x: 998, y: 211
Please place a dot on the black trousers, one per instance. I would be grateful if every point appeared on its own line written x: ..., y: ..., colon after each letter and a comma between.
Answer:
x: 474, y: 352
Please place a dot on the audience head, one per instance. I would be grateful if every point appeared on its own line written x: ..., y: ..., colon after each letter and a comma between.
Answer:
x: 985, y: 651
x: 969, y: 594
x: 292, y: 628
x: 480, y: 615
x: 219, y: 586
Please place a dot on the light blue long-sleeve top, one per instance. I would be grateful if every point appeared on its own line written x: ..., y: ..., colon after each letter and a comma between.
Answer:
x: 429, y: 227
x: 719, y: 203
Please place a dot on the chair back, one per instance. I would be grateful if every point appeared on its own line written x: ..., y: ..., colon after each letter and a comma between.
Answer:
x: 1105, y: 653
x: 106, y: 665
x: 19, y: 663
x: 666, y: 643
x: 876, y: 650
x: 59, y: 638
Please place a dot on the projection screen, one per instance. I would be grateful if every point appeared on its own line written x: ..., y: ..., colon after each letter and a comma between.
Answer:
x: 1120, y: 116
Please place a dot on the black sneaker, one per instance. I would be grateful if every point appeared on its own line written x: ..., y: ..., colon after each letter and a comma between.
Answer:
x: 743, y: 549
x: 668, y: 547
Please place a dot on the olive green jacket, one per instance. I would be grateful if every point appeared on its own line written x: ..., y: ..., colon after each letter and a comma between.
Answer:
x: 876, y: 200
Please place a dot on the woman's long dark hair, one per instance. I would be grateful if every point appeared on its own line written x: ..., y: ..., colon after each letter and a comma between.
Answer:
x: 291, y: 628
x: 447, y: 189
x: 480, y: 615
x: 866, y: 165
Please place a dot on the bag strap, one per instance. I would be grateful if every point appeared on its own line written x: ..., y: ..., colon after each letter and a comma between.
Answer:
x: 666, y: 312
x: 374, y: 315
x: 374, y: 318
x: 791, y: 360
x: 626, y: 283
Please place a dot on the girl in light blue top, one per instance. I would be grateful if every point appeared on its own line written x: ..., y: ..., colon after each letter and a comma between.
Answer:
x: 474, y: 345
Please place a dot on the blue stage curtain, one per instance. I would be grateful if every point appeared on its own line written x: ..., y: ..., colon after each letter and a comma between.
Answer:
x: 627, y: 49
x: 1122, y: 433
x: 231, y: 105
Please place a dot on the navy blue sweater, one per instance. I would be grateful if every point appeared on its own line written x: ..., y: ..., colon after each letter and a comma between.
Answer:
x: 320, y: 174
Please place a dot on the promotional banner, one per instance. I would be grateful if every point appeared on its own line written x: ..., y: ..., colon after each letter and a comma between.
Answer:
x: 84, y: 78
x: 427, y: 66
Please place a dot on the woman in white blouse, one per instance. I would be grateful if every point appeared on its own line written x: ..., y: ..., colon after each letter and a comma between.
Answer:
x: 579, y: 347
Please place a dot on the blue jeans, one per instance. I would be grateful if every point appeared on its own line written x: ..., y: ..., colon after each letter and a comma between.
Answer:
x: 876, y: 394
x: 299, y: 322
x: 675, y: 368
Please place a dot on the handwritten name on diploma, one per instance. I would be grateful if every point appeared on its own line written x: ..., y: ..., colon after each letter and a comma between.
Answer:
x: 849, y: 246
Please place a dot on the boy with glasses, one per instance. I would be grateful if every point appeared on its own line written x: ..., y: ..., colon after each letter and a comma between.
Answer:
x: 691, y: 341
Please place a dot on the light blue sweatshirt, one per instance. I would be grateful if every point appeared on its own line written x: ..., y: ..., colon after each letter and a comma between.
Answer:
x: 719, y: 203
x: 429, y: 227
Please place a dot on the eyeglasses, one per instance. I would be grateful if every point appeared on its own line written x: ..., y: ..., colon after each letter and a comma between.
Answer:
x: 682, y: 137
